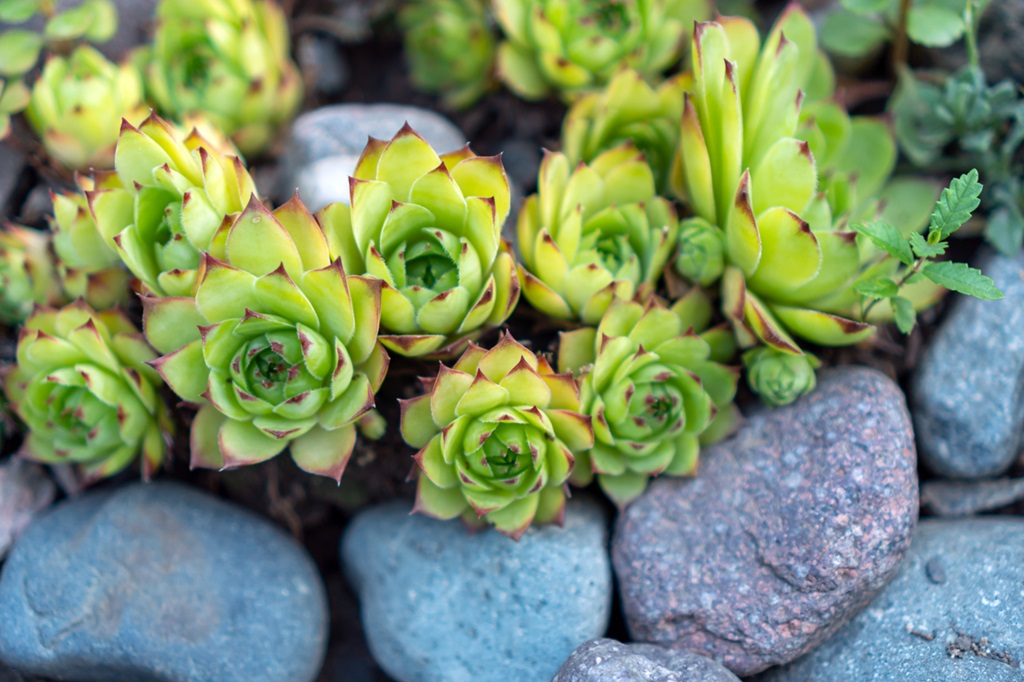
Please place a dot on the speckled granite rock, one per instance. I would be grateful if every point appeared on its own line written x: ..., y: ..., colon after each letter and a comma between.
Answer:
x: 954, y: 613
x: 160, y: 583
x: 442, y: 605
x: 605, y: 660
x: 967, y: 396
x: 326, y: 143
x: 791, y: 527
x: 953, y: 499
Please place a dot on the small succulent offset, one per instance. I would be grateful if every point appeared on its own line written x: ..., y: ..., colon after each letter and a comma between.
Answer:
x: 278, y: 347
x: 498, y: 434
x: 573, y: 46
x: 917, y: 252
x: 77, y: 106
x: 89, y: 268
x: 593, y: 234
x: 779, y: 377
x: 83, y: 388
x: 28, y: 274
x: 429, y: 227
x: 651, y: 389
x: 450, y: 48
x: 228, y: 60
x: 175, y: 198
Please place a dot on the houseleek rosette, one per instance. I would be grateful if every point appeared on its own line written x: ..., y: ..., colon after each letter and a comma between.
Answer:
x: 450, y: 48
x: 86, y: 394
x: 779, y: 377
x: 228, y: 60
x: 77, y: 105
x: 593, y: 234
x: 28, y: 274
x: 429, y: 226
x: 278, y: 348
x: 573, y: 46
x: 498, y: 434
x: 88, y: 266
x: 652, y: 389
x: 627, y: 110
x: 177, y: 197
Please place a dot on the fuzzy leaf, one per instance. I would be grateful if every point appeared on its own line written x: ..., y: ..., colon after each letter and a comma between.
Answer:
x: 964, y: 279
x: 887, y: 238
x: 955, y: 205
x: 877, y: 288
x: 903, y: 309
x: 934, y: 26
x: 852, y: 35
x: 922, y: 249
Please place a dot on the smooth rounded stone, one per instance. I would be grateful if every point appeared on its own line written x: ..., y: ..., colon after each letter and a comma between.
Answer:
x: 440, y: 604
x: 25, y: 490
x: 605, y: 660
x: 326, y: 143
x: 955, y: 499
x: 967, y: 396
x: 788, y: 530
x: 160, y: 583
x: 954, y: 612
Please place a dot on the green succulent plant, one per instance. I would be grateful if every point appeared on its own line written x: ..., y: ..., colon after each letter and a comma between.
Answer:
x: 176, y: 198
x: 651, y: 389
x: 573, y: 46
x: 28, y: 274
x: 229, y: 61
x: 497, y: 437
x: 14, y: 97
x: 278, y: 348
x: 83, y: 388
x: 88, y: 267
x: 627, y: 109
x: 429, y: 227
x: 77, y: 106
x: 450, y: 48
x: 779, y: 377
x: 593, y: 234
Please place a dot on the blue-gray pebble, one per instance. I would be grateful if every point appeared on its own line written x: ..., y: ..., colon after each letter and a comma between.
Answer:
x: 161, y: 583
x: 605, y: 660
x: 967, y: 396
x: 442, y: 605
x: 955, y: 613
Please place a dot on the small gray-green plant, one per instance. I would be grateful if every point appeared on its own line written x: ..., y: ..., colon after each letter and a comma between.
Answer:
x: 917, y: 253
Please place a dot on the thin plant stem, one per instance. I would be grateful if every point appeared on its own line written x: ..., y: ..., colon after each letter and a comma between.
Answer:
x: 900, y: 47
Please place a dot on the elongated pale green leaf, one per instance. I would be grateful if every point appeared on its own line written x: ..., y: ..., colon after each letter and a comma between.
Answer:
x: 19, y: 51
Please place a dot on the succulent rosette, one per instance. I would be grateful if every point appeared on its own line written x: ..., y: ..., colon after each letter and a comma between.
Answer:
x: 278, y: 348
x: 741, y: 169
x: 83, y: 388
x: 652, y: 389
x: 498, y: 434
x: 593, y: 234
x: 628, y: 110
x: 89, y: 268
x: 780, y: 377
x: 28, y: 274
x: 450, y: 48
x: 229, y: 61
x: 178, y: 194
x: 574, y: 46
x: 429, y: 227
x: 77, y: 105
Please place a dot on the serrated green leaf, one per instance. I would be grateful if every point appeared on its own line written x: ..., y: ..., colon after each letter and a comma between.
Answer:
x: 934, y: 26
x: 19, y: 51
x: 964, y: 279
x: 887, y: 238
x: 903, y: 311
x: 956, y: 204
x: 17, y: 11
x: 852, y: 35
x: 877, y: 288
x: 865, y: 6
x: 922, y: 249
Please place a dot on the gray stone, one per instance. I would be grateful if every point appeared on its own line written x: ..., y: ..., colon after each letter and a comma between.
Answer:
x: 605, y: 660
x: 322, y: 62
x: 954, y: 613
x: 160, y: 583
x: 12, y: 166
x: 790, y: 528
x: 967, y: 396
x: 440, y: 604
x: 326, y: 143
x: 1001, y: 41
x: 966, y: 498
x: 25, y: 490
